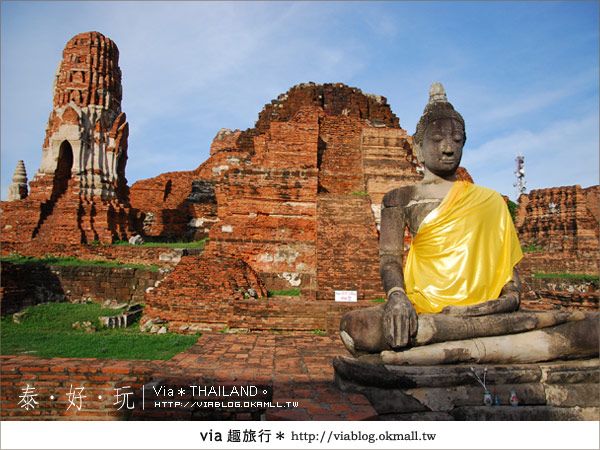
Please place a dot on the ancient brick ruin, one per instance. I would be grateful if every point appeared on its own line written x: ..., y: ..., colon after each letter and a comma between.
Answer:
x: 79, y: 194
x: 296, y: 198
x: 292, y: 203
x: 32, y: 284
x: 559, y: 228
x: 562, y: 220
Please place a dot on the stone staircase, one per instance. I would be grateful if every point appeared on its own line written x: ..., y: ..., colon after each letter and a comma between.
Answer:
x: 57, y: 217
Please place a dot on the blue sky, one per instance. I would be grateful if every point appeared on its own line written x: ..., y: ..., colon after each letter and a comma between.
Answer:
x: 523, y: 74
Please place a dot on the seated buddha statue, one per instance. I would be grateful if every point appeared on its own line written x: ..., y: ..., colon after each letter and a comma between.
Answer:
x: 460, y: 267
x: 464, y: 245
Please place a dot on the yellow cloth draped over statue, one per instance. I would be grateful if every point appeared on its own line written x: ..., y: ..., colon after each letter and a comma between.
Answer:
x: 464, y: 251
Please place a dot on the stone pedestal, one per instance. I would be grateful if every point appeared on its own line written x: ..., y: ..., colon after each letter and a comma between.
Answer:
x: 558, y: 390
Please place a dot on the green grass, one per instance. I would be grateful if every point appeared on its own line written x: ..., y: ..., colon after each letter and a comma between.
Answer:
x: 567, y: 276
x: 295, y: 292
x: 75, y: 262
x: 360, y: 193
x: 46, y: 331
x: 319, y: 332
x: 531, y: 248
x: 191, y: 244
x: 378, y: 300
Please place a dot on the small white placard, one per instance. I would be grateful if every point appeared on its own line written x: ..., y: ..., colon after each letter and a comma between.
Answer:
x: 346, y: 296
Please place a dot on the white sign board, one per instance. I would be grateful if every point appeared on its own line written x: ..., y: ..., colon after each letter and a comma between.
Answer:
x: 346, y: 296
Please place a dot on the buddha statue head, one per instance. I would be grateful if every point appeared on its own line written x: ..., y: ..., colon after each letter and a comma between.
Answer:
x: 440, y: 135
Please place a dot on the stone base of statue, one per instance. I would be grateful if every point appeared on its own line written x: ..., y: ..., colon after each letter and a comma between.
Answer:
x: 559, y: 390
x: 548, y: 373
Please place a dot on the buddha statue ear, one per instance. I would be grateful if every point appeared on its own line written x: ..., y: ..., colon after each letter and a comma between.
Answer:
x: 417, y: 151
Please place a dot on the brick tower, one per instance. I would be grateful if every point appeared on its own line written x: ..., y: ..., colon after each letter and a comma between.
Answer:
x: 80, y: 193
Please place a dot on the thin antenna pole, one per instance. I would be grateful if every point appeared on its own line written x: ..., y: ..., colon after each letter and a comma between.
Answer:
x: 520, y: 183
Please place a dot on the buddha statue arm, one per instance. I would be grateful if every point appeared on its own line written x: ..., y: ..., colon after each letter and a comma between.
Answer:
x: 509, y: 301
x: 513, y: 287
x: 399, y: 316
x: 390, y: 248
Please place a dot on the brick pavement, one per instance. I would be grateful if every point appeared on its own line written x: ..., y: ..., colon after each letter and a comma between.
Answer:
x: 297, y: 365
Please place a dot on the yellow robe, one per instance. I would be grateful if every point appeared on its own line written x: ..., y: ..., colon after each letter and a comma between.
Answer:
x: 464, y: 251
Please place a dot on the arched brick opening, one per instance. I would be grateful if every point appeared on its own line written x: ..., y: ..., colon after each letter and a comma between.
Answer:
x: 62, y: 175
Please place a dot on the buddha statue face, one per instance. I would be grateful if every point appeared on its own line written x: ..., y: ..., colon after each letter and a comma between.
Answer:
x: 441, y: 149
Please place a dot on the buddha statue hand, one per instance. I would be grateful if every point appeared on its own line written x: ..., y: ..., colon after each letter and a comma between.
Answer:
x: 399, y: 321
x: 508, y: 302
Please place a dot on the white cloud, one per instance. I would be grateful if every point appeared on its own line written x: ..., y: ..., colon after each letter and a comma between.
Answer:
x: 541, y: 98
x: 563, y: 153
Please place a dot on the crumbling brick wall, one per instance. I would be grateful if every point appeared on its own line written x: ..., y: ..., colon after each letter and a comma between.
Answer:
x: 347, y: 247
x: 335, y: 99
x: 560, y: 220
x: 25, y: 285
x: 558, y: 228
x: 119, y: 253
x: 267, y: 209
x: 182, y: 205
x: 295, y: 206
x: 203, y: 291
